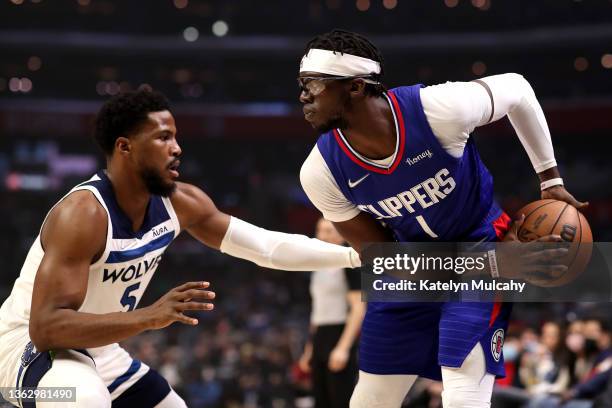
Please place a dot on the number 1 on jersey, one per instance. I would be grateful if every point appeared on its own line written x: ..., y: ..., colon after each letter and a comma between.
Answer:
x: 425, y: 227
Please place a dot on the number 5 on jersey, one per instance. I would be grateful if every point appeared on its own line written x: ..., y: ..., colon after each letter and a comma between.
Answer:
x: 127, y: 299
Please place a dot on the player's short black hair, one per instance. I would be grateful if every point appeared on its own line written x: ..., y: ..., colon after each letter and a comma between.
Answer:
x: 123, y: 114
x: 348, y: 42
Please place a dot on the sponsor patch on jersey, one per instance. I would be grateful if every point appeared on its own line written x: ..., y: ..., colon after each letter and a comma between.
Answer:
x: 29, y: 354
x: 497, y: 343
x: 427, y: 154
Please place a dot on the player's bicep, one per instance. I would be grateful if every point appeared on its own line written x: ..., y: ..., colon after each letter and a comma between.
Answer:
x: 73, y: 236
x: 61, y: 282
x: 454, y: 109
x: 361, y: 230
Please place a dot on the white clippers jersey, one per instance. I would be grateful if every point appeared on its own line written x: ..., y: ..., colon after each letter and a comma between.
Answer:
x: 119, y: 278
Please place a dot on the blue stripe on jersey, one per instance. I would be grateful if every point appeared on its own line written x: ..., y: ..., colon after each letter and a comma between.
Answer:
x: 149, y: 391
x: 122, y: 226
x: 135, y: 366
x: 124, y: 256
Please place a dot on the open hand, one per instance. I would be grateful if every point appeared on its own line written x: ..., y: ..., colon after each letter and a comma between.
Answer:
x: 170, y: 308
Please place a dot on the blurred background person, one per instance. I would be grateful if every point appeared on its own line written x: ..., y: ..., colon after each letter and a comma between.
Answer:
x: 330, y: 354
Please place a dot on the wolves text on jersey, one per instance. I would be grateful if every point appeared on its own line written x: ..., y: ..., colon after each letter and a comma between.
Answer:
x: 134, y: 271
x: 425, y: 194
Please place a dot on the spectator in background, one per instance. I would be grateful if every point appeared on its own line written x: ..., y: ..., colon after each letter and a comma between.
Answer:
x: 590, y: 342
x: 549, y: 362
x: 538, y: 366
x: 335, y: 321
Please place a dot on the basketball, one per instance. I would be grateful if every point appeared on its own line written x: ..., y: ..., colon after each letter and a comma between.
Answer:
x: 546, y: 217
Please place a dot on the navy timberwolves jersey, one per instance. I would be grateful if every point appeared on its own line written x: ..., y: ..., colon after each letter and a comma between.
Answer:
x: 425, y: 194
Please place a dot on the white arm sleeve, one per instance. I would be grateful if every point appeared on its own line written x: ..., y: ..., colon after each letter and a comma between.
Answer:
x: 323, y: 191
x: 278, y: 250
x: 454, y: 109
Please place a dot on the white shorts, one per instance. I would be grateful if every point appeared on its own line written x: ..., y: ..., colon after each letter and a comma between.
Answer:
x: 111, y: 364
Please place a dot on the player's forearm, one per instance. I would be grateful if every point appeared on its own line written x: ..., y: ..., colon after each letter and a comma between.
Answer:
x: 69, y: 329
x: 279, y: 250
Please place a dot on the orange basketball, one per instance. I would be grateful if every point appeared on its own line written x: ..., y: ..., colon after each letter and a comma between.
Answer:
x: 546, y: 217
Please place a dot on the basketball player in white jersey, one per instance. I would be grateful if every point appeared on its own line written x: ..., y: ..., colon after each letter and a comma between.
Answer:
x: 96, y: 252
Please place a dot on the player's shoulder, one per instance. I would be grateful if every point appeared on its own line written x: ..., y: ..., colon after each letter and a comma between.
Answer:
x: 184, y: 190
x: 79, y: 221
x: 314, y: 168
x: 190, y: 201
x: 188, y: 194
x: 80, y: 206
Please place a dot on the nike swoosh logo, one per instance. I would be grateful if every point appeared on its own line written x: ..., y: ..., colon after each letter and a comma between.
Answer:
x: 353, y: 184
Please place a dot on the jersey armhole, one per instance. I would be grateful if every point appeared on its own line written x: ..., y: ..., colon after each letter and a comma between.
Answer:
x: 172, y: 214
x: 109, y: 227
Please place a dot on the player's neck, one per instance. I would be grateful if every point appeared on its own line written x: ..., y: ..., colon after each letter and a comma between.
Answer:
x: 130, y: 192
x: 371, y: 129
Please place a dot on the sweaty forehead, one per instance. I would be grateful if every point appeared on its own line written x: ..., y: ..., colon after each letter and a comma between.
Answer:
x: 162, y: 120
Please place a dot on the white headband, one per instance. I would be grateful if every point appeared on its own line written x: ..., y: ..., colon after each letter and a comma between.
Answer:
x: 336, y: 63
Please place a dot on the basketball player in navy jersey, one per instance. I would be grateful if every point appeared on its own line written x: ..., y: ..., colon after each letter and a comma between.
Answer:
x: 98, y: 249
x: 399, y: 165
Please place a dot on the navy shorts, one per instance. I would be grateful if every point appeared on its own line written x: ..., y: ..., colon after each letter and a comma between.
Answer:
x: 418, y: 338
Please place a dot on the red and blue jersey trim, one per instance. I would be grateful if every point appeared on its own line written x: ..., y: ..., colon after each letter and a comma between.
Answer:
x: 400, y: 150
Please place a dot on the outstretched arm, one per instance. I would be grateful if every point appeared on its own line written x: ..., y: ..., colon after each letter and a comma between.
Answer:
x: 454, y: 109
x: 200, y: 217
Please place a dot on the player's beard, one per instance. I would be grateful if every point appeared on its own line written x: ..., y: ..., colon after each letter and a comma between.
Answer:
x: 337, y: 121
x: 156, y: 184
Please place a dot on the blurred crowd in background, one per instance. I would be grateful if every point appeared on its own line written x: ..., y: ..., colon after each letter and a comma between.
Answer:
x: 229, y: 68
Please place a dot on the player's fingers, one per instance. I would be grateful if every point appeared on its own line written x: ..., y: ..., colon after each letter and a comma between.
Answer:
x: 550, y: 271
x: 191, y: 285
x: 547, y: 238
x: 195, y: 294
x: 179, y: 317
x: 194, y: 306
x: 512, y: 234
x: 546, y: 255
x: 536, y: 278
x: 580, y: 205
x: 516, y: 224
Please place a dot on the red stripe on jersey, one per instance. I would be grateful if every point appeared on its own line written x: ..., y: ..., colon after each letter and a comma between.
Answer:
x: 495, y: 312
x: 501, y: 225
x: 402, y: 135
x: 400, y: 150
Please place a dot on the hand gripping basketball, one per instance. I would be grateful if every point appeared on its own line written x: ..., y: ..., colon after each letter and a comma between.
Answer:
x: 534, y: 261
x: 561, y: 194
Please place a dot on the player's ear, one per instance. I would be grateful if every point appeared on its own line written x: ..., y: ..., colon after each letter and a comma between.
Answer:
x: 122, y: 144
x: 357, y: 87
